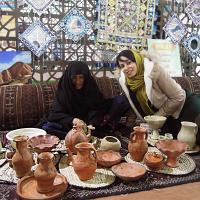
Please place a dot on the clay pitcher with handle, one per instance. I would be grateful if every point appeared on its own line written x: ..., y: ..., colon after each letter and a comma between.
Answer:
x: 22, y: 160
x: 77, y: 134
x: 138, y: 146
x: 85, y: 162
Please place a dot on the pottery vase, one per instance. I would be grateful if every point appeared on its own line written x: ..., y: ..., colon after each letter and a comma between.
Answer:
x: 138, y: 146
x: 45, y: 173
x: 85, y: 162
x: 22, y: 160
x: 75, y: 136
x: 188, y: 134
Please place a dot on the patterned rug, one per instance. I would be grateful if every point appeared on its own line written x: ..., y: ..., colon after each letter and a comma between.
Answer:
x: 149, y: 181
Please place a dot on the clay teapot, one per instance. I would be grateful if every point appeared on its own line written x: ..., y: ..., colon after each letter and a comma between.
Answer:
x: 85, y: 162
x: 138, y: 146
x: 45, y: 173
x: 79, y: 133
x: 22, y: 160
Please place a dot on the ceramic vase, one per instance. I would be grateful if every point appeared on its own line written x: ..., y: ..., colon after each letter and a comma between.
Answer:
x: 138, y: 146
x: 45, y: 173
x: 22, y: 160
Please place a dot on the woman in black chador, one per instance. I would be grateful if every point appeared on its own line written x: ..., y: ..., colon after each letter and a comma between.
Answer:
x: 77, y: 98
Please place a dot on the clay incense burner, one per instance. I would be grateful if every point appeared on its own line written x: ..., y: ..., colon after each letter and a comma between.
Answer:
x: 173, y: 149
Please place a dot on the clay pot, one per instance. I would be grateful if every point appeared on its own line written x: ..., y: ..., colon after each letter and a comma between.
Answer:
x: 173, y: 149
x: 85, y: 162
x: 138, y: 146
x: 22, y: 160
x: 110, y: 143
x: 45, y: 173
x: 154, y: 160
x: 75, y: 136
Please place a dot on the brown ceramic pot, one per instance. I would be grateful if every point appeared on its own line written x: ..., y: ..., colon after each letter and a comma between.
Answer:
x: 154, y: 160
x: 138, y: 146
x: 85, y: 162
x: 45, y: 173
x: 22, y: 160
x: 75, y: 136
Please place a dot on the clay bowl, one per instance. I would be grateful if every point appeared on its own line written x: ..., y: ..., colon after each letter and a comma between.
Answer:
x: 154, y: 160
x: 129, y: 171
x: 43, y: 143
x: 108, y: 158
x: 155, y: 121
x: 172, y: 149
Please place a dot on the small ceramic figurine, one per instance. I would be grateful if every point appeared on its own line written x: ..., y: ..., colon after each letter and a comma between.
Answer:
x: 79, y: 133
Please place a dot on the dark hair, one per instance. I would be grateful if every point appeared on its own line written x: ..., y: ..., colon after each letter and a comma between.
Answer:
x: 126, y: 53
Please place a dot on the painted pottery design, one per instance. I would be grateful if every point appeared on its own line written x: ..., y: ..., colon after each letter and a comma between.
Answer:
x: 45, y: 173
x: 138, y: 146
x: 85, y: 162
x: 22, y: 160
x: 188, y: 134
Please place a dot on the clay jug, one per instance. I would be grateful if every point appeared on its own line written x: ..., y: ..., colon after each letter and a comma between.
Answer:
x: 22, y: 160
x: 85, y: 162
x: 188, y: 134
x: 138, y: 146
x: 45, y: 173
x: 76, y: 135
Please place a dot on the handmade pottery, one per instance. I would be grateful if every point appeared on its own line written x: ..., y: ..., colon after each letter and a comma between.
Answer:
x: 110, y: 143
x: 45, y: 173
x: 154, y: 160
x: 188, y: 134
x: 43, y: 143
x: 8, y: 156
x: 22, y: 160
x: 108, y: 158
x: 85, y: 162
x: 173, y: 149
x: 76, y: 135
x: 138, y: 146
x: 27, y: 188
x: 155, y: 122
x: 128, y: 171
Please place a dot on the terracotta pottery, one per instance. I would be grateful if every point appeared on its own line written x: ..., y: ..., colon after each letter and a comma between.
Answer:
x: 128, y: 171
x: 76, y: 135
x: 43, y: 143
x: 154, y: 160
x: 22, y: 160
x: 8, y: 156
x: 27, y: 188
x: 45, y: 173
x: 138, y: 146
x: 108, y: 158
x: 173, y: 149
x: 85, y: 162
x: 188, y: 134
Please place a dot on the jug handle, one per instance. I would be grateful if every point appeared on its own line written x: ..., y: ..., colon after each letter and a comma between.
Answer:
x: 132, y: 139
x: 196, y: 129
x: 94, y: 150
x: 146, y: 135
x: 70, y: 156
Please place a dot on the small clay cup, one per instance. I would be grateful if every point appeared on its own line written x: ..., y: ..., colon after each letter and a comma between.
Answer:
x: 154, y: 160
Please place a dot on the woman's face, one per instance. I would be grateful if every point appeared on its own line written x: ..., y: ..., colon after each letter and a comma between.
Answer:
x: 78, y: 81
x: 128, y: 67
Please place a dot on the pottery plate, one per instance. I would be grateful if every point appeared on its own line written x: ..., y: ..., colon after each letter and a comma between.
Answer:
x: 102, y: 177
x: 186, y: 164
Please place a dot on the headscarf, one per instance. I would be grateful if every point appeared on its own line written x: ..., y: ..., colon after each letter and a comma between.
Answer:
x: 137, y: 83
x: 77, y: 103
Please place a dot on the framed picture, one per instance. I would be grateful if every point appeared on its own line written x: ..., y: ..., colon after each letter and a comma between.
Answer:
x: 192, y: 44
x: 175, y: 29
x: 75, y: 25
x: 37, y: 38
x: 193, y: 11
